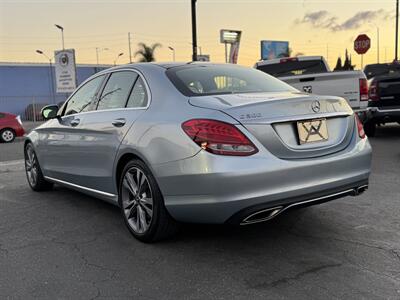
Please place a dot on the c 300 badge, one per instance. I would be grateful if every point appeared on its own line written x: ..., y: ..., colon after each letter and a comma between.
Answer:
x: 250, y: 116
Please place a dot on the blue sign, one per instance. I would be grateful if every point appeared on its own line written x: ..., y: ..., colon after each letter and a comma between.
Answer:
x: 274, y: 49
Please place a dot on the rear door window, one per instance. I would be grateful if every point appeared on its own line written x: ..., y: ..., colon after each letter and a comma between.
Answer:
x: 293, y: 68
x: 117, y: 90
x: 138, y: 97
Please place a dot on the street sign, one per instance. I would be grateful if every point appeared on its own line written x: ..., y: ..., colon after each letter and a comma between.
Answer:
x: 65, y: 70
x: 228, y: 36
x: 231, y: 37
x: 362, y: 44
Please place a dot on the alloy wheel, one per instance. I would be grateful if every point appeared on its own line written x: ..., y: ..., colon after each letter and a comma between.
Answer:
x: 7, y: 136
x: 137, y: 200
x: 31, y: 165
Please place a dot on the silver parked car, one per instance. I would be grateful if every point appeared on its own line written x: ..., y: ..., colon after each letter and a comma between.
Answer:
x: 198, y: 142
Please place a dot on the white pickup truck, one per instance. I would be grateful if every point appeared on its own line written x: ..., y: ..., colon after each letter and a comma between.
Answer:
x: 311, y: 74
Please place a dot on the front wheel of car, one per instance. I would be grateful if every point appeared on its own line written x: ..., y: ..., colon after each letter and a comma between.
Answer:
x: 7, y: 135
x: 142, y: 204
x: 33, y: 171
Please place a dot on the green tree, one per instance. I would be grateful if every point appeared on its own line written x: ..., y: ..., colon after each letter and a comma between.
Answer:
x: 338, y: 65
x: 347, y: 63
x: 146, y: 52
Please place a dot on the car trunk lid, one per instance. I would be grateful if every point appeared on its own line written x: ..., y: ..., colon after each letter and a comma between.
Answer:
x: 276, y: 120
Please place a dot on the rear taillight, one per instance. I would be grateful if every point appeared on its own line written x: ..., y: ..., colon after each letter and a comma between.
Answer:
x: 219, y: 137
x: 363, y: 89
x: 373, y: 91
x: 360, y: 127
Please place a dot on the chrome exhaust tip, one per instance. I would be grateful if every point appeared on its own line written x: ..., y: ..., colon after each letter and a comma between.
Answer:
x: 359, y: 190
x: 262, y: 215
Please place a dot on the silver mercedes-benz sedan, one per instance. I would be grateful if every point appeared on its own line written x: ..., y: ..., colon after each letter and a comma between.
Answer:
x: 198, y: 142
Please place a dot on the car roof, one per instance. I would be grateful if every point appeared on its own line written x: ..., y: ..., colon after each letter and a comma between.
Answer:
x: 165, y: 65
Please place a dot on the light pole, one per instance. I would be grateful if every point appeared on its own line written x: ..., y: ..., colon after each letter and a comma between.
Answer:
x: 194, y: 31
x: 397, y: 30
x: 98, y: 50
x: 130, y: 50
x: 173, y: 52
x: 116, y: 59
x: 62, y: 34
x: 377, y: 40
x: 51, y: 74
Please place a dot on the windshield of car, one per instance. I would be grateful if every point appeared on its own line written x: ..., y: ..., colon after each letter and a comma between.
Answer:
x: 294, y: 67
x: 198, y: 80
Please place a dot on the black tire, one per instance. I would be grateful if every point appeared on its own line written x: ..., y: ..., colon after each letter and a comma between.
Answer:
x: 162, y: 225
x: 10, y: 135
x: 370, y: 128
x: 39, y: 183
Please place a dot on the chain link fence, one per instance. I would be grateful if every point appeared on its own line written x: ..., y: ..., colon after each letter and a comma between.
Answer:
x: 28, y: 108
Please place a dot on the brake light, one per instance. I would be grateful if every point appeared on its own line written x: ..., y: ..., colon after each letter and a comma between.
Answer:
x: 373, y: 91
x: 360, y: 127
x: 284, y: 60
x: 363, y: 89
x: 219, y: 137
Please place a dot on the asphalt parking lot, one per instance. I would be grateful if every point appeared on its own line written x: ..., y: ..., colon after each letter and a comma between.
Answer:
x: 64, y: 245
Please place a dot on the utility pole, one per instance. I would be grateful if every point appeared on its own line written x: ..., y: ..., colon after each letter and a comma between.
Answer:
x: 377, y: 34
x: 397, y: 29
x: 194, y: 31
x: 130, y: 50
x: 327, y: 52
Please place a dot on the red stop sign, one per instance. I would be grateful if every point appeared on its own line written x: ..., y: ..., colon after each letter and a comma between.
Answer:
x: 362, y: 44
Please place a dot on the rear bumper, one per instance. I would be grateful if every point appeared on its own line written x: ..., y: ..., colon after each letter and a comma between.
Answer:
x: 378, y: 114
x: 19, y: 131
x: 208, y: 188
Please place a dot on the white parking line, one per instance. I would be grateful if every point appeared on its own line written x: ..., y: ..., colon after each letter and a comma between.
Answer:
x: 12, y: 163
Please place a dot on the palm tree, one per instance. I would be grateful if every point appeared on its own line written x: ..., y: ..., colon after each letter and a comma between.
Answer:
x: 147, y: 52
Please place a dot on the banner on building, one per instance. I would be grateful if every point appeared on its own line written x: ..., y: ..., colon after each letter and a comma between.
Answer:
x: 65, y: 70
x: 274, y: 49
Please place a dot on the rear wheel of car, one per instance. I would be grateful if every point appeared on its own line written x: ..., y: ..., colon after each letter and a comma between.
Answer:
x: 142, y: 204
x: 34, y: 172
x: 7, y: 135
x: 370, y: 128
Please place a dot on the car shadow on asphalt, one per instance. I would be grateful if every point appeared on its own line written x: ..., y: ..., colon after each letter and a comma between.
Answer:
x: 283, y: 225
x: 387, y: 132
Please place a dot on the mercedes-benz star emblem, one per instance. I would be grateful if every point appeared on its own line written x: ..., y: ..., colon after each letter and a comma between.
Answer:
x: 316, y: 106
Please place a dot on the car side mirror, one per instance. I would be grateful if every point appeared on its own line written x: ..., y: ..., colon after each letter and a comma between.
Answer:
x: 50, y: 112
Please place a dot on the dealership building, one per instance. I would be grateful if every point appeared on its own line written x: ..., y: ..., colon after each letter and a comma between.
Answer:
x: 33, y: 84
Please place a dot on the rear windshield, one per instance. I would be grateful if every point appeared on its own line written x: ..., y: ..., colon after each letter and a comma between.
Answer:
x: 197, y: 80
x: 292, y: 68
x: 381, y: 69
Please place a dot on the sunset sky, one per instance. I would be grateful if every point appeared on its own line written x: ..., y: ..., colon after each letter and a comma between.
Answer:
x: 324, y: 27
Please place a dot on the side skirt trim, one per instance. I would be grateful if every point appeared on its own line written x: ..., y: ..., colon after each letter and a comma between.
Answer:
x: 103, y: 195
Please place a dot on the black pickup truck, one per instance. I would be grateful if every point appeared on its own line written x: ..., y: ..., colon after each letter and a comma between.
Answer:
x: 384, y: 95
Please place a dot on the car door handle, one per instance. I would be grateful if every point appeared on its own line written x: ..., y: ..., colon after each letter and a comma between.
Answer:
x: 74, y: 122
x: 119, y: 122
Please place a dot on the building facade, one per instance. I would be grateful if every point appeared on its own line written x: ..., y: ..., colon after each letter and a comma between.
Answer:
x: 29, y: 86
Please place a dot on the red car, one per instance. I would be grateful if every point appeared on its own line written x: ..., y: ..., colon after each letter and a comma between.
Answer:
x: 10, y: 127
